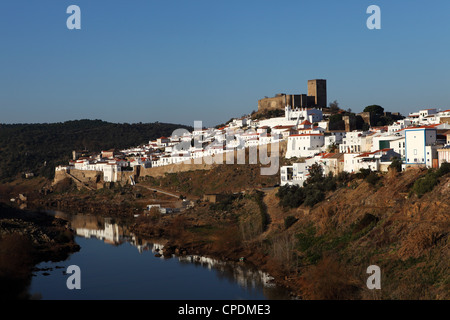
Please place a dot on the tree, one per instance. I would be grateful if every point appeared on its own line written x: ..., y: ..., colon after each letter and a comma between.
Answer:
x: 332, y: 147
x: 334, y: 107
x: 336, y: 122
x: 375, y: 110
x: 365, y: 127
x: 396, y: 164
x: 315, y: 174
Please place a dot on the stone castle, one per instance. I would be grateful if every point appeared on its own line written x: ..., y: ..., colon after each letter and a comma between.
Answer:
x: 316, y: 98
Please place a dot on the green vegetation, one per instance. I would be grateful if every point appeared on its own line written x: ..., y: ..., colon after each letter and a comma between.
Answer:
x: 226, y: 204
x: 379, y: 117
x: 375, y: 110
x: 314, y: 246
x: 334, y: 107
x: 274, y: 113
x: 313, y: 190
x: 259, y: 198
x: 430, y: 180
x: 336, y: 122
x: 396, y: 164
x: 38, y: 148
x: 372, y: 179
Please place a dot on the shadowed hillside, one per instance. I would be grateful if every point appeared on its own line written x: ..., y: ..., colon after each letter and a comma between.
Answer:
x: 38, y: 148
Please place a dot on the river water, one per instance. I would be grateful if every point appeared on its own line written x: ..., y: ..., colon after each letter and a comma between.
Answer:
x: 115, y: 264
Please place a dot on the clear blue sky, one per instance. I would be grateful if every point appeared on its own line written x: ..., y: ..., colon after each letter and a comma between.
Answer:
x: 184, y: 60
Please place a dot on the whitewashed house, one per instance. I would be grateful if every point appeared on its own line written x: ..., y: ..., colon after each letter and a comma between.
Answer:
x: 398, y: 145
x: 352, y: 142
x: 444, y: 155
x: 418, y: 146
x: 296, y: 174
x: 304, y: 145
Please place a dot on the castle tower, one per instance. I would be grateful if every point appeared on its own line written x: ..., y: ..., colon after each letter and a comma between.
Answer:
x: 317, y: 90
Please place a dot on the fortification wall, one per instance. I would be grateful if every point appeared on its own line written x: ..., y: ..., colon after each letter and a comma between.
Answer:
x: 273, y: 103
x: 181, y: 167
x: 445, y: 120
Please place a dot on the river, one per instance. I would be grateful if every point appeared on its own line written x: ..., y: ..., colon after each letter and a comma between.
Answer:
x: 115, y: 264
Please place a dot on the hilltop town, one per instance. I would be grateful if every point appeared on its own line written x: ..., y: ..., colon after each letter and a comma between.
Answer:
x: 349, y: 190
x: 314, y: 133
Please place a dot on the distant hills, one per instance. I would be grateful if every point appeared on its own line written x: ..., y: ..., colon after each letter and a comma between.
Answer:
x: 38, y: 148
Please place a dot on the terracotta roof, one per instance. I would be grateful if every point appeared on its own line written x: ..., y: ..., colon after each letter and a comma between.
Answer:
x: 431, y: 126
x: 365, y: 154
x: 282, y: 127
x: 328, y: 155
x: 307, y: 134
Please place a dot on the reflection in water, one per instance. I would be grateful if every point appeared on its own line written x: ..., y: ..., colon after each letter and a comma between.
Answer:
x: 117, y: 232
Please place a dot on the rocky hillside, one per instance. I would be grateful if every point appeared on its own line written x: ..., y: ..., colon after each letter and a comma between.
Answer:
x: 361, y: 225
x: 322, y: 252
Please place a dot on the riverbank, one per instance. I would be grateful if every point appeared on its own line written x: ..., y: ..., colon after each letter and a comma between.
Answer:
x: 216, y: 232
x: 318, y: 251
x: 26, y: 239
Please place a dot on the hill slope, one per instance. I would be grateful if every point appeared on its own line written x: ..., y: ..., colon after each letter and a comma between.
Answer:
x: 39, y: 147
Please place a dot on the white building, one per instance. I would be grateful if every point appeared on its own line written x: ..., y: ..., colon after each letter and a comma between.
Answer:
x: 301, y: 114
x: 444, y: 155
x: 296, y: 174
x: 418, y: 146
x: 304, y: 145
x: 398, y: 145
x: 352, y: 142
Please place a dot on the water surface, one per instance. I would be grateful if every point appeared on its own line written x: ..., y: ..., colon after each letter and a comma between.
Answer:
x: 115, y: 264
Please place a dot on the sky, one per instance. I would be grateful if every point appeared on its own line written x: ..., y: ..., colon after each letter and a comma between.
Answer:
x: 179, y: 61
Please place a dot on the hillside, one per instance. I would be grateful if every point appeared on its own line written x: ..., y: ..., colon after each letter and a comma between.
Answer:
x: 324, y: 251
x: 361, y: 225
x: 38, y: 148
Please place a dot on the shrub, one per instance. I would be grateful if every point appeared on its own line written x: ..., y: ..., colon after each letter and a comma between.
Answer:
x: 430, y: 180
x: 289, y: 221
x: 372, y: 178
x: 154, y: 214
x: 312, y: 192
x: 425, y: 184
x: 329, y: 280
x: 363, y: 173
x: 291, y: 196
x: 396, y: 164
x: 444, y: 169
x: 313, y: 196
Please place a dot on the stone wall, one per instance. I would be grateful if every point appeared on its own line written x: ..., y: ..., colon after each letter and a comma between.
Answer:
x: 445, y: 120
x: 350, y: 123
x: 281, y: 100
x: 366, y: 116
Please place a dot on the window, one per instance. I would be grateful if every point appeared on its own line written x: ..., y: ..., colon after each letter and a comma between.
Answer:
x: 415, y: 151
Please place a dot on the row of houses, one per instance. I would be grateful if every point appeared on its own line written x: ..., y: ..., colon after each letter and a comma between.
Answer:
x: 413, y: 139
x: 335, y: 163
x: 420, y: 140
